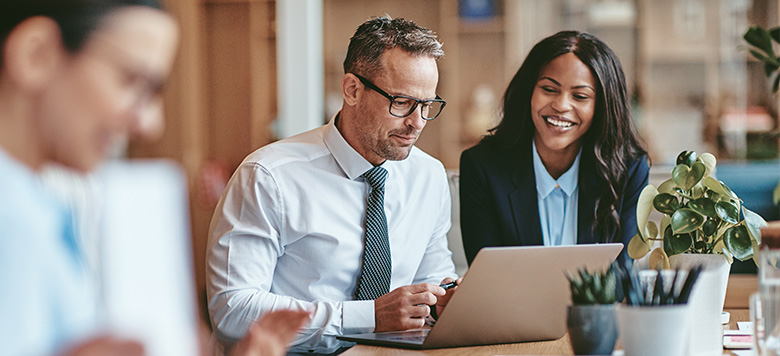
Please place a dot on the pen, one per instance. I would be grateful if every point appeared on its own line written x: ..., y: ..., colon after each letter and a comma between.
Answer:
x: 450, y: 285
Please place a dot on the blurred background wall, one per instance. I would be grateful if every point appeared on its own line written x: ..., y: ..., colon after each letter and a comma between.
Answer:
x: 692, y: 83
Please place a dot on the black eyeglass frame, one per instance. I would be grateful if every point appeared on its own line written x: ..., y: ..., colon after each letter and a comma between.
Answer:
x: 392, y: 98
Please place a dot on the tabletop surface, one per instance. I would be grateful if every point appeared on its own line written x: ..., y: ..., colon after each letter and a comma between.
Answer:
x: 554, y: 347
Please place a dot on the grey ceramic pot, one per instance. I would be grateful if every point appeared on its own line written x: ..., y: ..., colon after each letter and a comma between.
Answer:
x: 592, y: 329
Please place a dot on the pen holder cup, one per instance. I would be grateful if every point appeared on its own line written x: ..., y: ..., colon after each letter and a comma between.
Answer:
x: 653, y: 330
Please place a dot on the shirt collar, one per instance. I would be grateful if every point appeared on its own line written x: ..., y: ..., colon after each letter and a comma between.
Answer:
x: 545, y: 183
x: 350, y: 161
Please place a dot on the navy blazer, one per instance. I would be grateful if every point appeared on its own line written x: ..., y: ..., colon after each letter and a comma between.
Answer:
x: 499, y: 203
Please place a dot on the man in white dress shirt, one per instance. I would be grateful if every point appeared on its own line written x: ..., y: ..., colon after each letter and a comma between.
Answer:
x: 291, y: 228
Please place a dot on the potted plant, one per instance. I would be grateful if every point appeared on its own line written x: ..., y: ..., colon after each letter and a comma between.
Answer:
x: 704, y: 223
x: 701, y: 215
x: 591, y: 317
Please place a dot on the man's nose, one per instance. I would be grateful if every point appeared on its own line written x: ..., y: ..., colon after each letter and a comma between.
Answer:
x: 415, y: 119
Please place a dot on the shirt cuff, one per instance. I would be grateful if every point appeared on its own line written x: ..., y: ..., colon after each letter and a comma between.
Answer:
x: 358, y: 317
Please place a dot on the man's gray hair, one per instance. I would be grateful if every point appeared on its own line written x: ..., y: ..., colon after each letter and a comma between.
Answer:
x: 376, y: 35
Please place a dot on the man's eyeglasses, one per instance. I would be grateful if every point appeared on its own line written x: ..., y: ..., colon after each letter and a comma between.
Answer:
x: 403, y: 106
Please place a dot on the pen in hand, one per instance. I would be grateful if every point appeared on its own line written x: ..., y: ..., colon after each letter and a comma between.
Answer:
x: 450, y: 285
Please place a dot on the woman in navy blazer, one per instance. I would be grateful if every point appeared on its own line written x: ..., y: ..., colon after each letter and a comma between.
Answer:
x: 567, y: 101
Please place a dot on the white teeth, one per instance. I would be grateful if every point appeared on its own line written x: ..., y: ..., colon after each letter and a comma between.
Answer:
x: 558, y: 123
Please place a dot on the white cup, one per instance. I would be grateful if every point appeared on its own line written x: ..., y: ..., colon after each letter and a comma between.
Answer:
x: 641, y: 329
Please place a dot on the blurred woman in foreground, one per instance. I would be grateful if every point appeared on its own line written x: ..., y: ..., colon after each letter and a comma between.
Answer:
x: 75, y: 75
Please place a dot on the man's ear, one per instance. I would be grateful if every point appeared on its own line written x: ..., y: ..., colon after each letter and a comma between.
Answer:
x: 350, y: 89
x: 32, y: 52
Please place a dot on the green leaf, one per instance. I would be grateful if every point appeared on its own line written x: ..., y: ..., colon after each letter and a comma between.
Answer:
x: 709, y: 162
x: 714, y: 185
x: 697, y: 173
x: 756, y: 252
x: 710, y: 227
x: 727, y: 211
x: 666, y: 220
x: 728, y: 191
x: 638, y: 247
x: 763, y: 57
x: 774, y: 32
x: 686, y: 177
x: 770, y: 68
x: 658, y: 259
x: 667, y: 186
x: 674, y: 244
x: 754, y: 223
x: 760, y: 38
x: 686, y: 157
x: 704, y: 206
x: 776, y: 195
x: 666, y: 203
x: 652, y: 229
x: 686, y: 220
x: 776, y: 84
x: 738, y: 242
x: 643, y: 207
x: 680, y: 174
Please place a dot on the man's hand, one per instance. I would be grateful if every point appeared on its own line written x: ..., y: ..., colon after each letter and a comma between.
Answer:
x: 270, y: 335
x: 442, y: 301
x: 406, y: 307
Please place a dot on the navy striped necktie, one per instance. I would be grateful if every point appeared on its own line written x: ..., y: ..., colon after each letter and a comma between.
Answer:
x: 377, y: 266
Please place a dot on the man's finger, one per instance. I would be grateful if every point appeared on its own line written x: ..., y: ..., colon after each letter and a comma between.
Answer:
x: 423, y: 287
x: 422, y: 298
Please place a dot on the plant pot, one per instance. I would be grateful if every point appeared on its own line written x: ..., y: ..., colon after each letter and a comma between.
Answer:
x: 592, y: 329
x: 707, y: 298
x: 654, y: 330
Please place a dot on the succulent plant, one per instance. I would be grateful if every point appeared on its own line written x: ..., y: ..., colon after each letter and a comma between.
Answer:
x: 593, y: 288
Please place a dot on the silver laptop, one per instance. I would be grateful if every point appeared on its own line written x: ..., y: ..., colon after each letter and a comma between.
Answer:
x: 146, y: 261
x: 509, y: 294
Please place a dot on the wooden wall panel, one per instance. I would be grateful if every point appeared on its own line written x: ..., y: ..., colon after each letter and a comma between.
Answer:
x: 228, y: 85
x: 220, y: 103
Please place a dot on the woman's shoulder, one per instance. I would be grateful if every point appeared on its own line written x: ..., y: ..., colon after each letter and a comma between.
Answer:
x: 487, y: 152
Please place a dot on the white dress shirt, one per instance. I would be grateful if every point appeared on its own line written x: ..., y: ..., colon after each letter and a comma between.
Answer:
x: 288, y: 233
x: 557, y: 202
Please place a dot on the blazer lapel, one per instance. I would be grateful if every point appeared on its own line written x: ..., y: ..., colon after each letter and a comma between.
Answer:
x: 524, y: 202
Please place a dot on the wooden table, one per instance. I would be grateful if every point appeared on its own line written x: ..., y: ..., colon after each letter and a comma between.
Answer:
x: 555, y: 347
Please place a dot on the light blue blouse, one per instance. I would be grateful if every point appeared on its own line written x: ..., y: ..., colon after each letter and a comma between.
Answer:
x: 46, y: 300
x: 557, y: 202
